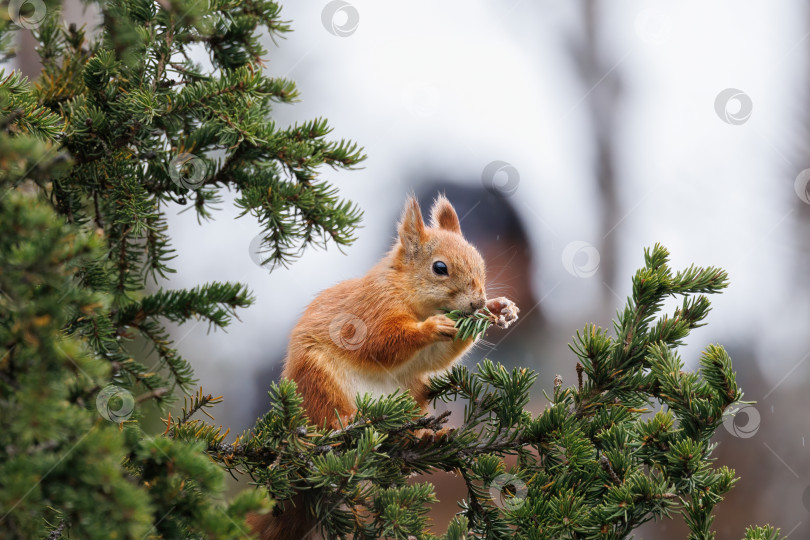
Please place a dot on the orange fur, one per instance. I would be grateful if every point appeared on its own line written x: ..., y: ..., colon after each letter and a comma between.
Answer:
x: 386, y: 330
x: 378, y: 324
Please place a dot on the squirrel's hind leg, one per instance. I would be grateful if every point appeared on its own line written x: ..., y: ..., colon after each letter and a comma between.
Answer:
x: 324, y: 397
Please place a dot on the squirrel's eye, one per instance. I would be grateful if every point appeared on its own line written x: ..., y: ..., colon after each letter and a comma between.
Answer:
x: 440, y: 268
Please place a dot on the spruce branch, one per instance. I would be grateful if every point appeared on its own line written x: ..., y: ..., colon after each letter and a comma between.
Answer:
x: 593, y: 463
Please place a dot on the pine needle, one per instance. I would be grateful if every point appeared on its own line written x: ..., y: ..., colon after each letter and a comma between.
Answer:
x: 471, y: 324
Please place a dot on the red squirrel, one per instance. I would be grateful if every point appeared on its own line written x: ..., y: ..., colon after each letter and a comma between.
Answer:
x: 387, y: 329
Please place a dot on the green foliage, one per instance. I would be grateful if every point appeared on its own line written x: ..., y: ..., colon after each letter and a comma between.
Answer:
x: 44, y: 471
x: 761, y: 533
x: 114, y: 133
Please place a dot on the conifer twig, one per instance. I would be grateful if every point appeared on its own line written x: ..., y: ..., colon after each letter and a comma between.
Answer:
x: 471, y: 324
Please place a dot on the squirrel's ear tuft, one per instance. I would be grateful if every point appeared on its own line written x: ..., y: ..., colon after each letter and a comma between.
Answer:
x: 444, y: 216
x: 411, y: 226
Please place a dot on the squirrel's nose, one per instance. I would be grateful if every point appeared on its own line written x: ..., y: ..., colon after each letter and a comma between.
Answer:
x: 478, y: 304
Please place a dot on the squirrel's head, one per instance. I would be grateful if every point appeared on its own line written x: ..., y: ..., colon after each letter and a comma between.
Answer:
x: 442, y: 269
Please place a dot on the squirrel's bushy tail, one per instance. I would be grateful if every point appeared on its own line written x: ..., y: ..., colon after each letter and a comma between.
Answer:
x: 293, y: 524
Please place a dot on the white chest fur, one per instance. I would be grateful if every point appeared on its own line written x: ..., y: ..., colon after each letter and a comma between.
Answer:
x: 430, y: 360
x: 377, y: 384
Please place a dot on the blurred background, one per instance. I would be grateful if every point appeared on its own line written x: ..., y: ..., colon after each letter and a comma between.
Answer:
x: 569, y: 135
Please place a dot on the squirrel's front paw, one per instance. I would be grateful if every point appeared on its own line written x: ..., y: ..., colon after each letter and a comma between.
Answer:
x: 443, y: 326
x: 428, y: 436
x: 505, y: 310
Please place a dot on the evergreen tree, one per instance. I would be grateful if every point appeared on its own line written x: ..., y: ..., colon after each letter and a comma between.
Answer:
x: 118, y: 130
x: 114, y: 132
